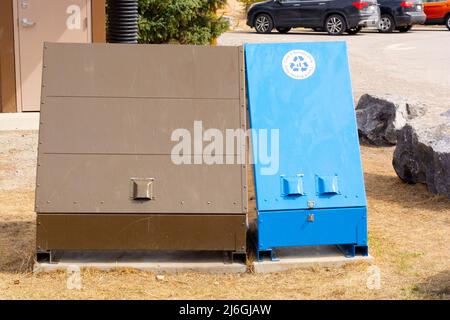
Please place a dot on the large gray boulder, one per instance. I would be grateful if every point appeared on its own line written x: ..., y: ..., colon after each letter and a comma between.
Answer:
x: 380, y: 117
x: 422, y: 153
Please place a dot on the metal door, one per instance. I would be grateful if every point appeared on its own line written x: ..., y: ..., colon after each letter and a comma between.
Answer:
x: 435, y: 9
x: 312, y: 12
x: 287, y: 13
x: 39, y: 21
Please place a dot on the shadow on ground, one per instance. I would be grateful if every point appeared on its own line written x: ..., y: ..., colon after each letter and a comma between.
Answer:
x: 415, y: 196
x: 17, y: 246
x: 435, y: 287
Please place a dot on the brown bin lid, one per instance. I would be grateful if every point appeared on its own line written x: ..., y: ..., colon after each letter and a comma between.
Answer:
x: 107, y: 117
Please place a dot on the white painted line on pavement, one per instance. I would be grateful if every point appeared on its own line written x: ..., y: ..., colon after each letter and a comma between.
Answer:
x: 398, y: 47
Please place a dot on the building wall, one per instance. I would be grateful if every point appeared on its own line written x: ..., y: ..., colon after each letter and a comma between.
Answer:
x: 98, y: 21
x: 7, y: 69
x: 7, y: 63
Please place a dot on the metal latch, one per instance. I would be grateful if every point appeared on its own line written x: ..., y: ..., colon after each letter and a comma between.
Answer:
x: 142, y: 188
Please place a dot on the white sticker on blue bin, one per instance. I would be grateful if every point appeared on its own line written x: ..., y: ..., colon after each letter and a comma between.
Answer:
x: 299, y: 64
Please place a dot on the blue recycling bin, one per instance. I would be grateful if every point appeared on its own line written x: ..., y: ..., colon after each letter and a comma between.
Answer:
x: 307, y: 165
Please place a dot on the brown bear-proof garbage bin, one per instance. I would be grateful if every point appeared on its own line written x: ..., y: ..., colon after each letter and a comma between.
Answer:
x: 111, y: 117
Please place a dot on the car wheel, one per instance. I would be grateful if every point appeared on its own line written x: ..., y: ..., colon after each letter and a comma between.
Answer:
x: 447, y: 22
x: 386, y: 24
x: 354, y: 30
x: 404, y: 29
x: 283, y: 30
x: 263, y: 23
x: 335, y: 25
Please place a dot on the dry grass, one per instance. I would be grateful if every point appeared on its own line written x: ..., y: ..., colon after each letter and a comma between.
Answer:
x: 409, y: 233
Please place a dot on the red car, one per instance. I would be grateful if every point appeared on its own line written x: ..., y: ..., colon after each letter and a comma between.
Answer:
x: 437, y: 11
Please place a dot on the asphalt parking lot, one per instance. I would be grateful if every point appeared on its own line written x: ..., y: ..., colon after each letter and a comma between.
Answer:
x: 414, y: 64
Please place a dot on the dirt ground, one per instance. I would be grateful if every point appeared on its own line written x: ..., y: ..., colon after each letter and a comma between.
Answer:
x: 409, y: 234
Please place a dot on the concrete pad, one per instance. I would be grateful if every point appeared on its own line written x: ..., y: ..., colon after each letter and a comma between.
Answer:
x: 159, y: 262
x: 306, y: 257
x: 19, y: 121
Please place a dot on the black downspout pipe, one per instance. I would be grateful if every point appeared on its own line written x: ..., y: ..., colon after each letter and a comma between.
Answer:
x: 122, y: 21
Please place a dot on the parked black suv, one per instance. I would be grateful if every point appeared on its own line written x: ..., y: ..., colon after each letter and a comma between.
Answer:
x: 334, y: 16
x: 400, y: 15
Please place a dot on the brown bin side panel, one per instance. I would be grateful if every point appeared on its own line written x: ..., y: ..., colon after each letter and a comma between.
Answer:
x: 128, y: 125
x: 156, y: 71
x: 105, y: 123
x: 141, y: 232
x: 105, y: 176
x: 90, y: 183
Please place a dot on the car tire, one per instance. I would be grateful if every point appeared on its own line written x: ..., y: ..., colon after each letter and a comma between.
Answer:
x: 404, y: 29
x: 263, y: 23
x: 386, y: 24
x: 335, y: 25
x: 354, y: 30
x: 283, y: 30
x: 447, y: 22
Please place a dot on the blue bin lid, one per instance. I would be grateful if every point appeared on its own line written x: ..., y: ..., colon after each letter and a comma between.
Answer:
x: 302, y: 92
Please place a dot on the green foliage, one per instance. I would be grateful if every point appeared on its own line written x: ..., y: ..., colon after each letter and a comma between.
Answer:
x: 182, y: 21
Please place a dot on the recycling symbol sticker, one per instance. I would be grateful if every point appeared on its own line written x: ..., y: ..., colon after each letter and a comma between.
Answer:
x: 299, y: 64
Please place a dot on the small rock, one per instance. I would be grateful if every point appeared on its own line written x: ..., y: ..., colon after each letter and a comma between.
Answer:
x: 160, y: 277
x: 422, y: 154
x: 16, y: 282
x: 380, y: 117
